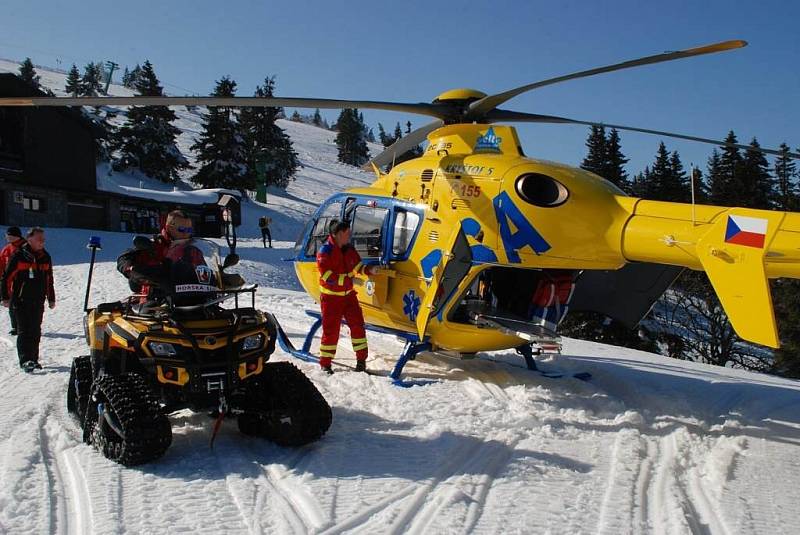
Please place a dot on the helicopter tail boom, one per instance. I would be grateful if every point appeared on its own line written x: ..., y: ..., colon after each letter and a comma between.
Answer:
x: 739, y: 249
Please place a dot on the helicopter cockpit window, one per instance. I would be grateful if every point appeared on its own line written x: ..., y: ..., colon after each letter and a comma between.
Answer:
x: 320, y: 231
x: 367, y: 230
x: 405, y: 225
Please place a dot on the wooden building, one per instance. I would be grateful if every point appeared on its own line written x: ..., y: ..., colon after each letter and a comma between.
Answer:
x: 48, y: 176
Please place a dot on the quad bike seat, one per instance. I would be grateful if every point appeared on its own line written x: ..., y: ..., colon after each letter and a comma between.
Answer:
x: 108, y: 308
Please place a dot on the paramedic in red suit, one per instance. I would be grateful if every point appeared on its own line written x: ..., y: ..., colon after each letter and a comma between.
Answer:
x: 338, y: 263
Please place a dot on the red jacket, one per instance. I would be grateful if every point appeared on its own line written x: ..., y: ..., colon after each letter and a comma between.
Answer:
x: 28, y: 277
x: 7, y: 251
x: 145, y: 258
x: 337, y: 266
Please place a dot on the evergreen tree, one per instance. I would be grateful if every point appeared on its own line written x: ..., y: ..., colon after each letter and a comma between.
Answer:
x: 785, y: 174
x: 370, y: 136
x: 640, y: 183
x: 220, y: 148
x: 757, y: 185
x: 724, y: 184
x: 317, y: 120
x: 92, y: 83
x: 408, y: 127
x: 383, y: 137
x: 265, y: 140
x: 28, y: 73
x: 126, y: 77
x: 398, y: 133
x: 104, y: 143
x: 352, y: 147
x: 146, y: 141
x: 666, y: 180
x: 613, y: 165
x: 133, y: 76
x: 658, y: 186
x: 679, y: 188
x: 296, y: 117
x: 73, y: 86
x: 596, y: 155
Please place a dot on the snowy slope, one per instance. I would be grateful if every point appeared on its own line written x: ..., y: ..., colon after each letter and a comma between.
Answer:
x: 320, y: 175
x: 649, y: 445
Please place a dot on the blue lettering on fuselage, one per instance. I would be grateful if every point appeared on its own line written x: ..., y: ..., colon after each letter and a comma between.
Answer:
x: 525, y: 236
x: 429, y: 262
x: 480, y: 253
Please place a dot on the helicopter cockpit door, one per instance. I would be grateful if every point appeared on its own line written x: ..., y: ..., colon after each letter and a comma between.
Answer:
x: 454, y: 265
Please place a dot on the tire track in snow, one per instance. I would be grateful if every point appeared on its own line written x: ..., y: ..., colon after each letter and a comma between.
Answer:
x: 77, y: 493
x: 418, y: 499
x: 640, y: 519
x: 693, y: 485
x: 482, y: 468
x: 295, y: 506
x: 676, y: 499
x: 56, y: 491
x: 457, y: 458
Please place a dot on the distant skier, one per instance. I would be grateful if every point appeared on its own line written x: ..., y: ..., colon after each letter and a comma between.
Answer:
x: 15, y: 241
x: 27, y: 281
x: 263, y: 224
x: 338, y: 263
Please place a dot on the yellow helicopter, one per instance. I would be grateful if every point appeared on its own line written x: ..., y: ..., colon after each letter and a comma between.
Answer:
x: 485, y: 249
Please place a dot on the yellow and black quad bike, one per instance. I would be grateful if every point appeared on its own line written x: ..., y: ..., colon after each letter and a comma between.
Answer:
x: 181, y: 349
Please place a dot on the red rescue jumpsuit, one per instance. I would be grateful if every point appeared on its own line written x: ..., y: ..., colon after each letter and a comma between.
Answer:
x: 337, y: 267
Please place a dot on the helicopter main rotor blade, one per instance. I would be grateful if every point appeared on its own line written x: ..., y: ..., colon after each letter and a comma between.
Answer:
x: 421, y: 108
x: 403, y: 145
x: 480, y: 107
x: 514, y: 116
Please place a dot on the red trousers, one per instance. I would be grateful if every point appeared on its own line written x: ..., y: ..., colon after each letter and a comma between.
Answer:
x: 334, y: 308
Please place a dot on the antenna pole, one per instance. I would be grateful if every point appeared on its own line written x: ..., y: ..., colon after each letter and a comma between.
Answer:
x: 691, y: 178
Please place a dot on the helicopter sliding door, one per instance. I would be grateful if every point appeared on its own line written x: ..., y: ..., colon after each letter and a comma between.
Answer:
x: 448, y: 274
x: 369, y: 221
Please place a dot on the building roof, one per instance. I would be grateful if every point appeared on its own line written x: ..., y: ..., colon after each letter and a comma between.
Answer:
x: 12, y: 85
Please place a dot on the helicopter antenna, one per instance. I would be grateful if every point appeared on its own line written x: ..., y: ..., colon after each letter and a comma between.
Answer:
x: 691, y: 182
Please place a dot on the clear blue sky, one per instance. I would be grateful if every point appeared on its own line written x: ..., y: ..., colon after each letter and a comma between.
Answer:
x: 411, y: 51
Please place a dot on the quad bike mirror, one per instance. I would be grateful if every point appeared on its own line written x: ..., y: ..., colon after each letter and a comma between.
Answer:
x: 230, y: 260
x: 142, y: 243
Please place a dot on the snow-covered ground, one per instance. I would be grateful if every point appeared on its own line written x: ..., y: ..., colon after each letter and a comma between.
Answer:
x: 648, y: 445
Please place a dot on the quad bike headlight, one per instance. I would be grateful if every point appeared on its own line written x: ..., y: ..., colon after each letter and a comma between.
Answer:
x: 254, y: 341
x: 162, y: 349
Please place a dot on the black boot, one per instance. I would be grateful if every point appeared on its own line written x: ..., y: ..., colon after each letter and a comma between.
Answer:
x: 328, y: 370
x: 361, y: 365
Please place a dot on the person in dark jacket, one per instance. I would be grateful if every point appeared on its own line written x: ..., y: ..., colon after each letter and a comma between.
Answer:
x: 263, y: 224
x: 27, y: 281
x: 14, y: 241
x: 144, y: 263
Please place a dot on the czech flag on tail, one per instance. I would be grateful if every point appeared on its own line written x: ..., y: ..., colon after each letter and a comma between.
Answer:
x: 748, y: 231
